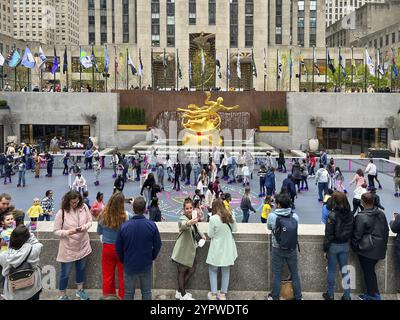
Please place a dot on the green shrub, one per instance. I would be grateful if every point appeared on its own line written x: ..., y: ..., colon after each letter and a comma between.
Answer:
x: 130, y: 115
x: 3, y: 103
x: 274, y: 117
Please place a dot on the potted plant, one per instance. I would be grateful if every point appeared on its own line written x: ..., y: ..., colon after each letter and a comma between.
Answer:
x: 132, y: 119
x: 275, y: 120
x: 314, y: 142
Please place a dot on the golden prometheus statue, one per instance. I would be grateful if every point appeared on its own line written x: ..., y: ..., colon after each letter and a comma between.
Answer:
x: 203, y: 124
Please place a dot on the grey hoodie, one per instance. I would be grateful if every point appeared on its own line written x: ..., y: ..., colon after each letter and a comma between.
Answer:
x: 13, y: 258
x: 272, y: 220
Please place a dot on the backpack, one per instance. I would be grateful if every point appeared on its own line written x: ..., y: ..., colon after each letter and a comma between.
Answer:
x: 285, y: 232
x: 22, y: 276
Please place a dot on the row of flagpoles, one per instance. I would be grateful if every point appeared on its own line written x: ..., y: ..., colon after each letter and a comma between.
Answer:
x: 14, y: 59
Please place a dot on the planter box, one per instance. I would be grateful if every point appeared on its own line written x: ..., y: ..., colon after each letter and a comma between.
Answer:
x: 274, y: 128
x: 132, y: 127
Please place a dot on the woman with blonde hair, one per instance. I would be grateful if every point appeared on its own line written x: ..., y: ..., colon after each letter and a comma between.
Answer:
x: 110, y: 220
x: 222, y: 253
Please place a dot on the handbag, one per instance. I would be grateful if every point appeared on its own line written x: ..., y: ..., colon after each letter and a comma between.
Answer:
x: 22, y: 276
x: 287, y: 292
x: 197, y: 236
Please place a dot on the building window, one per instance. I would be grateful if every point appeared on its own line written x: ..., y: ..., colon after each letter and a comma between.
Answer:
x: 278, y: 22
x: 155, y: 23
x: 387, y: 39
x: 393, y: 37
x: 125, y: 21
x: 381, y: 42
x: 212, y: 9
x: 313, y: 22
x: 249, y: 28
x: 170, y: 23
x: 113, y: 21
x: 300, y: 23
x: 192, y: 11
x: 376, y: 43
x: 234, y: 23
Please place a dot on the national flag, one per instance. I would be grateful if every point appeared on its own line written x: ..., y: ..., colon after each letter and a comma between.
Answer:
x: 179, y: 66
x: 253, y: 64
x: 28, y: 61
x: 94, y: 61
x: 130, y: 63
x: 140, y: 64
x: 315, y: 63
x: 106, y: 62
x: 228, y: 72
x: 393, y: 63
x: 55, y: 62
x: 218, y: 65
x: 203, y: 62
x: 85, y: 60
x: 2, y: 60
x: 342, y: 66
x: 13, y: 58
x: 369, y: 63
x: 42, y: 58
x: 279, y: 65
x: 302, y: 63
x: 65, y: 65
x: 380, y: 67
x: 330, y: 64
x: 238, y: 69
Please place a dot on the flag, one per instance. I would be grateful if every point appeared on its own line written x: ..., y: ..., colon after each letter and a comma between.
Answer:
x: 106, y: 62
x: 42, y: 58
x: 94, y: 61
x: 228, y: 72
x: 290, y: 65
x: 1, y: 60
x: 140, y: 64
x: 369, y: 63
x: 279, y: 64
x: 238, y: 70
x: 218, y: 65
x: 28, y: 61
x: 190, y: 70
x: 65, y: 65
x: 203, y: 62
x: 302, y: 63
x: 178, y: 65
x: 116, y: 64
x: 393, y: 63
x: 85, y: 60
x: 253, y: 64
x: 130, y: 63
x: 380, y: 67
x: 13, y: 58
x: 165, y: 62
x: 330, y: 64
x: 315, y: 63
x: 55, y: 62
x: 341, y: 66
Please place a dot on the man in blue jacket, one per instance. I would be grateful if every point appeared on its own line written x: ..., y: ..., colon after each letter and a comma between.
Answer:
x: 138, y: 244
x: 289, y: 187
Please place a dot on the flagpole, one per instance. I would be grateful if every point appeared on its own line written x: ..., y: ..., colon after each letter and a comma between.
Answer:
x: 115, y: 67
x: 28, y: 78
x: 67, y: 69
x: 41, y: 78
x: 277, y: 71
x: 165, y: 71
x: 252, y: 67
x: 391, y: 77
x: 177, y: 71
x: 340, y: 62
x: 190, y: 74
x: 291, y: 71
x: 93, y: 66
x: 227, y: 68
x: 265, y: 76
x: 202, y: 73
x: 313, y: 66
x: 365, y: 69
x: 299, y: 70
x: 107, y: 70
x: 240, y: 68
x: 140, y: 76
x: 2, y: 77
x: 80, y: 70
x: 152, y: 70
x: 326, y: 67
x: 377, y: 69
x: 15, y: 78
x: 127, y: 70
x: 54, y: 83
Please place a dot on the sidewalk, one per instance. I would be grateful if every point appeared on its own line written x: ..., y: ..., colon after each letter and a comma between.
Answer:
x: 202, y: 295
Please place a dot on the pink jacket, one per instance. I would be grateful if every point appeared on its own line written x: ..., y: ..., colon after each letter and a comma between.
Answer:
x: 96, y: 208
x: 77, y: 246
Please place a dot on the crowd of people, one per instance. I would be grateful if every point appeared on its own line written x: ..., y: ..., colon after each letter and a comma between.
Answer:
x: 131, y: 241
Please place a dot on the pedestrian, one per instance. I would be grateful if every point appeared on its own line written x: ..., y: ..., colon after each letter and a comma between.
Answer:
x: 147, y: 188
x: 213, y: 170
x: 154, y: 211
x: 304, y: 175
x: 358, y: 192
x: 160, y: 175
x: 358, y: 178
x: 312, y: 164
x: 322, y: 180
x: 377, y: 200
x: 38, y: 160
x: 177, y: 175
x: 88, y: 158
x: 249, y: 161
x: 71, y: 225
x: 110, y: 220
x: 284, y: 224
x: 7, y: 172
x: 97, y: 170
x: 119, y: 184
x: 324, y: 158
x: 196, y: 171
x: 227, y: 198
x: 21, y: 172
x: 326, y: 206
x: 7, y: 224
x: 245, y: 205
x: 246, y: 175
x: 3, y: 161
x: 336, y: 247
x: 289, y: 188
x: 296, y: 173
x: 369, y: 242
x: 331, y: 170
x: 97, y: 206
x: 185, y: 249
x: 262, y: 174
x: 224, y: 166
x: 266, y: 209
x: 339, y: 179
x: 217, y: 187
x: 34, y: 212
x: 281, y: 162
x: 85, y: 197
x: 209, y: 199
x: 222, y: 252
x: 395, y: 227
x: 138, y: 244
x: 24, y: 247
x: 79, y: 183
x: 232, y: 165
x: 50, y: 162
x: 47, y: 205
x: 66, y: 159
x: 396, y: 180
x: 170, y: 168
x: 370, y: 170
x: 114, y: 163
x: 269, y: 161
x: 270, y: 182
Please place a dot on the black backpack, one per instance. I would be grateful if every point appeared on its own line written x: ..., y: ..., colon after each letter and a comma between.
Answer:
x: 285, y: 232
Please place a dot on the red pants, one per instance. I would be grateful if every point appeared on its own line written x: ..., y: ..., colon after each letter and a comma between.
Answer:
x: 109, y: 262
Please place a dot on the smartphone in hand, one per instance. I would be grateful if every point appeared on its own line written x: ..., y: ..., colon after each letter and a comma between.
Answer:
x: 79, y: 229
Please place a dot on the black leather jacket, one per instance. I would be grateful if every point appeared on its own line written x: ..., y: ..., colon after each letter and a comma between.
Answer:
x: 338, y: 228
x: 371, y: 221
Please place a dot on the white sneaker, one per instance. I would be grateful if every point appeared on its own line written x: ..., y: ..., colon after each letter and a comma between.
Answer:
x: 178, y: 295
x: 186, y: 297
x: 211, y: 296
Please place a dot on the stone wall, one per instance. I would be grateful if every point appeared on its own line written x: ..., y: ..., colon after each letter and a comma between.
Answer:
x: 252, y: 270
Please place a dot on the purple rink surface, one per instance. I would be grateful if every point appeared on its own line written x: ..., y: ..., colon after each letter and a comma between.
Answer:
x: 307, y: 206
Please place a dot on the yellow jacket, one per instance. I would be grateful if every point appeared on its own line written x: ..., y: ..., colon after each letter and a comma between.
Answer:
x: 35, y: 211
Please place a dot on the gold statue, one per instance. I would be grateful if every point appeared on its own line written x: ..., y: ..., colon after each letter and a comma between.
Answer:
x: 203, y: 121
